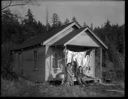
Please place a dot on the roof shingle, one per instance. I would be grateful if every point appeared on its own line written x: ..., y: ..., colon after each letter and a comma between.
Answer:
x: 40, y: 38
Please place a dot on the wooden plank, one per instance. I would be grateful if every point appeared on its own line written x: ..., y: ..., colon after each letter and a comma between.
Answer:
x: 101, y: 64
x: 94, y: 63
x: 65, y: 56
x: 46, y: 73
x: 47, y: 62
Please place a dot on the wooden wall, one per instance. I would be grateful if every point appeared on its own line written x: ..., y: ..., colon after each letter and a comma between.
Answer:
x: 97, y: 64
x: 24, y: 64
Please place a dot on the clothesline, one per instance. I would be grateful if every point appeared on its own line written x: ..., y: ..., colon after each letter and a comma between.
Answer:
x: 80, y: 57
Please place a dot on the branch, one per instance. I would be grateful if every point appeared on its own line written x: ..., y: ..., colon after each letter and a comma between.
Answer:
x: 7, y: 5
x: 20, y: 4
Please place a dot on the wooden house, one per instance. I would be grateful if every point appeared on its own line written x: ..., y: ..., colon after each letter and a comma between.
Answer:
x: 41, y: 57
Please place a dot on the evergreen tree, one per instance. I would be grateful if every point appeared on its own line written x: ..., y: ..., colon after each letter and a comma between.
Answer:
x: 41, y: 28
x: 30, y: 16
x: 107, y: 24
x: 11, y: 32
x: 11, y: 29
x: 59, y: 23
x: 66, y: 21
x: 113, y: 36
x: 55, y: 20
x: 75, y: 20
x: 30, y: 25
x: 84, y: 24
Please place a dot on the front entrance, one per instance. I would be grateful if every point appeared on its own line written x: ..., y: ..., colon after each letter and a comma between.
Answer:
x: 85, y: 58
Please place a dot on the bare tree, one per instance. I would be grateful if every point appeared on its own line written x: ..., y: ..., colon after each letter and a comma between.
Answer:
x: 10, y: 3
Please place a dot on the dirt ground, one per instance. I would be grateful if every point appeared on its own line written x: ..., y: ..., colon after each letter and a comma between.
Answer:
x: 24, y: 88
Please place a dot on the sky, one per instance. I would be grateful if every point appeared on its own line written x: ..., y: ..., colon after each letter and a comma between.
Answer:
x: 96, y: 12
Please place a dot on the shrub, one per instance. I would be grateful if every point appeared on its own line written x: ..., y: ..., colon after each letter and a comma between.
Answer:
x: 8, y: 88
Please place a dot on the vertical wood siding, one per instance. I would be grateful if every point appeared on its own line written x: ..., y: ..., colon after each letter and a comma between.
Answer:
x: 26, y: 60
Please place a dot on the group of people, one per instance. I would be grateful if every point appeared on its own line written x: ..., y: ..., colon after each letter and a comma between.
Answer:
x: 74, y: 73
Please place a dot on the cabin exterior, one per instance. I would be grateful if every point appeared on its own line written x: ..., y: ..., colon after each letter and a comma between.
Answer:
x: 41, y: 58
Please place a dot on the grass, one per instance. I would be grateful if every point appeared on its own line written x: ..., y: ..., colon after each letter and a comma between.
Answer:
x: 23, y: 88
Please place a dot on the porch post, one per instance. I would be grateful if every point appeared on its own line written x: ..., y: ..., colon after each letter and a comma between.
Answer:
x: 46, y: 67
x: 65, y: 55
x: 101, y: 65
x: 65, y: 67
x: 94, y: 64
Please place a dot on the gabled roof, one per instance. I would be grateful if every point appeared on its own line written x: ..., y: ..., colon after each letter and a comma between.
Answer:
x: 41, y: 37
x: 71, y: 35
x: 46, y: 37
x: 68, y: 37
x: 97, y: 38
x: 92, y: 39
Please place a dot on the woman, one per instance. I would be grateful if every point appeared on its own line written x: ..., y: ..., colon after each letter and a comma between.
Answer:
x: 74, y: 68
x: 80, y: 75
x: 69, y: 74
